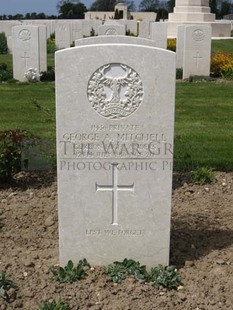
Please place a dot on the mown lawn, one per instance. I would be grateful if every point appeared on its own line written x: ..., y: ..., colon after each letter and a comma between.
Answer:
x: 203, y: 126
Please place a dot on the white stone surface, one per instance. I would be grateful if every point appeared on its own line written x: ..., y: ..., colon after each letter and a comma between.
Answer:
x: 131, y: 26
x: 88, y: 25
x: 114, y: 39
x: 180, y: 46
x: 144, y: 29
x: 115, y: 120
x: 109, y: 29
x: 29, y: 50
x: 43, y: 47
x: 77, y: 30
x: 63, y: 35
x: 159, y: 34
x: 197, y: 51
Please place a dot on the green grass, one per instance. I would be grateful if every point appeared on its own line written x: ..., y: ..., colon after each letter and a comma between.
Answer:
x: 222, y: 45
x: 203, y: 126
x: 7, y: 58
x: 18, y: 111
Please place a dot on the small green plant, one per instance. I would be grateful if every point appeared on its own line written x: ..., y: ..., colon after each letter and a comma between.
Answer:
x: 118, y: 270
x: 5, y: 75
x: 161, y: 276
x: 3, y: 43
x: 171, y: 44
x: 92, y: 32
x: 10, y: 152
x: 5, y: 285
x: 203, y: 175
x: 167, y: 277
x: 48, y: 75
x: 51, y: 44
x: 54, y: 305
x: 70, y: 273
x: 179, y: 73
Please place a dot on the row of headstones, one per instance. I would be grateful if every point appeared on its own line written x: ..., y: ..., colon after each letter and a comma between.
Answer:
x: 76, y: 28
x: 192, y: 54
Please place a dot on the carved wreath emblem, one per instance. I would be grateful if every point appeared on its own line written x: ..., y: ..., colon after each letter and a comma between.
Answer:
x: 198, y: 35
x: 115, y: 91
x: 111, y: 31
x: 24, y: 35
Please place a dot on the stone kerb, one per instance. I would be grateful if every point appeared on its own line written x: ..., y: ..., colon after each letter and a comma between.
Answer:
x: 115, y: 122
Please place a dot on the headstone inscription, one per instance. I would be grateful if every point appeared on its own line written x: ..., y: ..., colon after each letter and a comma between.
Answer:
x: 197, y: 51
x: 115, y: 120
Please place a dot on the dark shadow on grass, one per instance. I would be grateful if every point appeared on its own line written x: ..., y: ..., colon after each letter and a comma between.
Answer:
x: 189, y: 244
x: 33, y: 179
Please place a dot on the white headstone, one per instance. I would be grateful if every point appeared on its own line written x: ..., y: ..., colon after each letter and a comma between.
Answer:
x: 114, y: 39
x: 144, y: 29
x: 115, y: 119
x: 63, y: 35
x: 89, y: 26
x: 159, y: 34
x: 29, y: 50
x: 110, y: 29
x: 197, y: 51
x: 180, y: 46
x: 77, y: 30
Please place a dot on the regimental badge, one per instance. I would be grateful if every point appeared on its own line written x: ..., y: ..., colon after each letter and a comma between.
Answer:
x: 115, y: 91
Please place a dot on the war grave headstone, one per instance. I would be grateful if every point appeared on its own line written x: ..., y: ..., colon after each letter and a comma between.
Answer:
x: 180, y: 46
x: 115, y: 120
x: 77, y: 30
x: 131, y: 25
x: 114, y: 39
x: 144, y: 29
x: 63, y: 35
x: 29, y: 50
x: 159, y: 34
x: 89, y: 25
x: 112, y: 28
x: 197, y: 51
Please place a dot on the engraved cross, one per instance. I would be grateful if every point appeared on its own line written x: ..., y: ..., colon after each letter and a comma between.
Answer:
x: 197, y: 57
x: 25, y: 57
x: 115, y: 188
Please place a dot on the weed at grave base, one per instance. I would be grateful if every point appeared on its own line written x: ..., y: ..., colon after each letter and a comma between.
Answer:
x: 6, y: 284
x: 54, y: 305
x: 70, y: 273
x: 203, y: 175
x: 166, y: 277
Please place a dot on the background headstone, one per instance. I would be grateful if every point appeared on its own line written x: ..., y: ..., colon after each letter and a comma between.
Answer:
x: 159, y: 34
x: 197, y: 51
x: 109, y: 29
x: 115, y: 120
x: 29, y: 50
x: 144, y: 29
x: 114, y: 39
x: 63, y: 35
